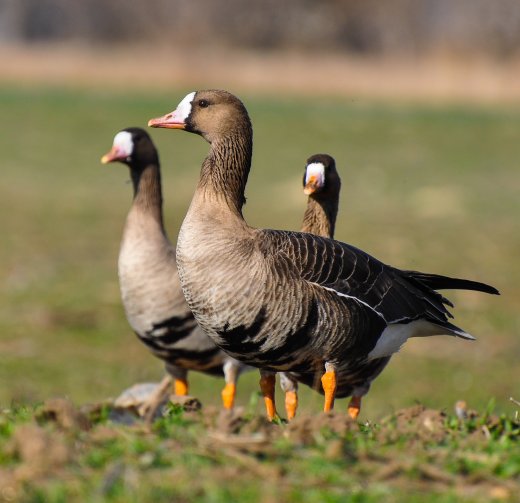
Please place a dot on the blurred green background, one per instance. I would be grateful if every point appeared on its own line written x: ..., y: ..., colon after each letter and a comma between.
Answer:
x: 432, y: 187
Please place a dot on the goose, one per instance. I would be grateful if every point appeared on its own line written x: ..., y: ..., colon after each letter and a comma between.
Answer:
x: 285, y: 301
x: 322, y: 184
x: 149, y: 282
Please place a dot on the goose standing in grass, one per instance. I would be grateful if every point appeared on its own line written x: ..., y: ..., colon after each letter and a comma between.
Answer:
x: 149, y: 280
x: 288, y: 301
x: 322, y: 184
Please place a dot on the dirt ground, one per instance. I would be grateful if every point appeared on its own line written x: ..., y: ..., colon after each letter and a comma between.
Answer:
x: 432, y: 79
x: 415, y: 449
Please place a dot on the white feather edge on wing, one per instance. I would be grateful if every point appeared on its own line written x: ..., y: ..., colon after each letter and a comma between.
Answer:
x: 396, y: 334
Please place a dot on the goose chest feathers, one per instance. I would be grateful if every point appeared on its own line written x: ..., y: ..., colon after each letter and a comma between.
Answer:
x: 148, y: 277
x: 281, y: 300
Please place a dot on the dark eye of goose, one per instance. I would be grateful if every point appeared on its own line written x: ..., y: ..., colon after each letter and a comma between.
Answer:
x: 203, y: 103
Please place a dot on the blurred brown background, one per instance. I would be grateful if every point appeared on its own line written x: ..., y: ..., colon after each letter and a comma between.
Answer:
x: 463, y: 49
x: 462, y: 28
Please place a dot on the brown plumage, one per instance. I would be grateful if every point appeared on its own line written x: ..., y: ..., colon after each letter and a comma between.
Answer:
x: 323, y: 191
x: 149, y: 280
x: 322, y: 183
x: 287, y: 301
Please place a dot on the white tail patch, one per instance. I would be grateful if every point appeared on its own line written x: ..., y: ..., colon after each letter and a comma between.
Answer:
x: 395, y: 335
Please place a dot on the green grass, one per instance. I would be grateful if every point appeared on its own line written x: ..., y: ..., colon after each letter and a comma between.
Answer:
x: 189, y: 457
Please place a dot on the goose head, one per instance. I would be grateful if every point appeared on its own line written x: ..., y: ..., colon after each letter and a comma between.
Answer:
x: 213, y: 114
x: 133, y: 147
x: 321, y: 180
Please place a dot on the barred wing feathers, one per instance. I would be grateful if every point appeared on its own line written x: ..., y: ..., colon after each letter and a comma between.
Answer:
x: 397, y: 296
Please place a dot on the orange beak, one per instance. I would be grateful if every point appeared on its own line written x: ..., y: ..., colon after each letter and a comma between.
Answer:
x: 115, y: 154
x: 312, y: 185
x: 168, y: 121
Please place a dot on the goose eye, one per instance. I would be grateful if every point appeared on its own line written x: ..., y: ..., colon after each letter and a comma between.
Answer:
x: 203, y: 103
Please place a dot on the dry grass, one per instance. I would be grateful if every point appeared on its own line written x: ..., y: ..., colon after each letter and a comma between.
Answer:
x: 437, y: 79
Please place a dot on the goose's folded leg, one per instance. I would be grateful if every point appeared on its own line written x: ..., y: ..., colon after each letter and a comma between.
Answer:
x: 354, y: 407
x: 267, y: 384
x: 149, y: 408
x: 328, y: 381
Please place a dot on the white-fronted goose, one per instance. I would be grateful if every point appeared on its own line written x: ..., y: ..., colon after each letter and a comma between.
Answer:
x: 321, y: 182
x: 281, y: 300
x: 149, y: 280
x: 322, y: 185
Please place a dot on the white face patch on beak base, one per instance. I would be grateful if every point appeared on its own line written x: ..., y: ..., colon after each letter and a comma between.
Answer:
x: 123, y: 143
x: 317, y: 170
x: 183, y: 109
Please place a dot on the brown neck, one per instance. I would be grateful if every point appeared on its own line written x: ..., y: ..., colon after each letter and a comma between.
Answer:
x: 147, y: 191
x: 320, y: 217
x: 225, y: 170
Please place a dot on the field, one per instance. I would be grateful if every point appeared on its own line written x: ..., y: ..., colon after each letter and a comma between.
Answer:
x: 427, y: 187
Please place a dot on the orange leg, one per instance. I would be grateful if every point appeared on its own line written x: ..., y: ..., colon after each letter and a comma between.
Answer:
x: 354, y: 407
x: 228, y: 395
x: 267, y: 382
x: 291, y: 404
x: 328, y: 381
x: 180, y: 387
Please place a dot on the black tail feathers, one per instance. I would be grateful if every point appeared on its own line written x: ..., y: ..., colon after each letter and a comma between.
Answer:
x: 437, y: 282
